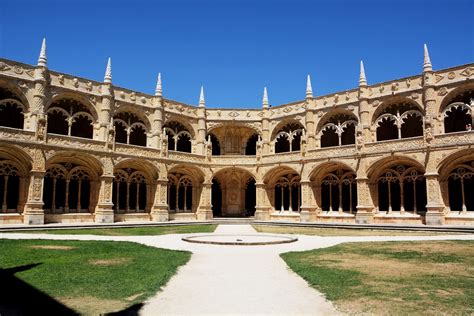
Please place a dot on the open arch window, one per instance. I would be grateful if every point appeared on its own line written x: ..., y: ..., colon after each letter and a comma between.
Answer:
x: 129, y: 193
x: 129, y: 129
x: 179, y: 138
x: 67, y: 189
x: 335, y: 133
x: 11, y: 110
x: 70, y: 117
x: 9, y: 187
x: 339, y: 192
x: 180, y: 193
x: 216, y: 147
x: 402, y: 188
x: 288, y: 193
x: 458, y: 117
x: 288, y: 138
x: 460, y: 188
x: 399, y: 121
x: 251, y: 146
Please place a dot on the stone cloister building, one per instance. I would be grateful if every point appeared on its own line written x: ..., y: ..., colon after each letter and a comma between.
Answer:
x: 77, y: 150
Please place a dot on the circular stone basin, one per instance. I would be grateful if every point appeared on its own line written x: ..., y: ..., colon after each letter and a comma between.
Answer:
x: 240, y: 240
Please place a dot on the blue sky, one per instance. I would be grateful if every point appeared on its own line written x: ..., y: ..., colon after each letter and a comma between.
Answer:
x: 235, y: 48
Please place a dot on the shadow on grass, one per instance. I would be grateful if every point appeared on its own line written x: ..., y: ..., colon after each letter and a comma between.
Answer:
x: 19, y: 298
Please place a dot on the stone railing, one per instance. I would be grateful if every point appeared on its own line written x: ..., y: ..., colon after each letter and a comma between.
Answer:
x: 186, y: 157
x: 230, y: 160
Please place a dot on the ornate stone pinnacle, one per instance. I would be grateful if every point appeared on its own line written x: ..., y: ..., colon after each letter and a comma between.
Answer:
x: 159, y: 88
x: 108, y: 72
x: 202, y: 101
x: 265, y: 98
x: 309, y: 89
x: 42, y: 60
x: 426, y: 60
x: 362, y: 78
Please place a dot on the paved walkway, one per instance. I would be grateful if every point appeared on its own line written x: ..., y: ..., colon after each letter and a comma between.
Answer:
x: 224, y: 280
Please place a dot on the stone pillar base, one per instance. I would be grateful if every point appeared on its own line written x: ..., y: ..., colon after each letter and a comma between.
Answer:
x: 36, y: 218
x: 262, y: 215
x: 308, y: 216
x: 160, y: 216
x: 33, y: 213
x: 203, y: 215
x: 104, y: 217
x: 364, y: 217
x: 434, y: 218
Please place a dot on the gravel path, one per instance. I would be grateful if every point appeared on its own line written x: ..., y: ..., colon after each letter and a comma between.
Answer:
x: 236, y: 280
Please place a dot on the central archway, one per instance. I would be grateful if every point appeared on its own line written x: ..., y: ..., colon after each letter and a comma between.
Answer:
x: 233, y: 193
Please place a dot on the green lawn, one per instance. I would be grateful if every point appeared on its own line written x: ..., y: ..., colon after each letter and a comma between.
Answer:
x: 132, y: 231
x: 392, y: 278
x: 92, y: 277
x: 328, y: 231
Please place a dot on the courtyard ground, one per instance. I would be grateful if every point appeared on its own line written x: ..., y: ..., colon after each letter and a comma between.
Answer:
x: 246, y: 279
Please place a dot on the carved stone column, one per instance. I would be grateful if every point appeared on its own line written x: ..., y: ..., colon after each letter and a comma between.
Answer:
x: 263, y: 206
x: 365, y: 206
x: 159, y: 211
x: 204, y: 211
x: 39, y: 97
x: 265, y: 132
x: 364, y: 114
x: 310, y: 128
x: 33, y: 213
x: 308, y: 202
x: 104, y: 212
x: 105, y: 114
x: 435, y: 207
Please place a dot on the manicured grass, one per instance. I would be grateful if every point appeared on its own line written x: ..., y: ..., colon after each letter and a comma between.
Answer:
x: 394, y: 278
x: 316, y: 231
x: 132, y: 231
x: 92, y: 277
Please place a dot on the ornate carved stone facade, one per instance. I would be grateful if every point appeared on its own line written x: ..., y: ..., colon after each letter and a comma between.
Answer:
x: 73, y: 149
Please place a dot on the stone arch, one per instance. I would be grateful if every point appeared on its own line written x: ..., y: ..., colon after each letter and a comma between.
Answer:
x: 455, y: 94
x: 233, y: 138
x: 286, y: 136
x: 179, y: 136
x: 233, y: 192
x: 398, y: 117
x: 456, y: 177
x: 133, y: 110
x: 16, y: 93
x: 184, y: 188
x: 397, y: 183
x: 283, y: 188
x: 71, y: 184
x: 337, y: 127
x: 131, y: 128
x: 72, y: 115
x: 12, y: 108
x: 183, y: 121
x: 15, y: 166
x: 457, y: 109
x: 78, y: 98
x: 282, y: 124
x: 334, y: 186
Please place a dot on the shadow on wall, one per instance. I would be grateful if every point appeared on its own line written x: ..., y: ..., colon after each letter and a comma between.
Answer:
x: 19, y: 298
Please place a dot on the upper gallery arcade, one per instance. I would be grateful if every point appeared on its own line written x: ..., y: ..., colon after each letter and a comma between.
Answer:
x: 73, y: 149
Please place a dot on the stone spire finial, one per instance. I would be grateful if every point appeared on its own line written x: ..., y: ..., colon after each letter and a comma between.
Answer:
x: 265, y: 98
x: 426, y: 60
x: 108, y: 72
x: 309, y: 89
x: 42, y: 60
x: 159, y: 88
x: 202, y: 101
x: 362, y: 78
